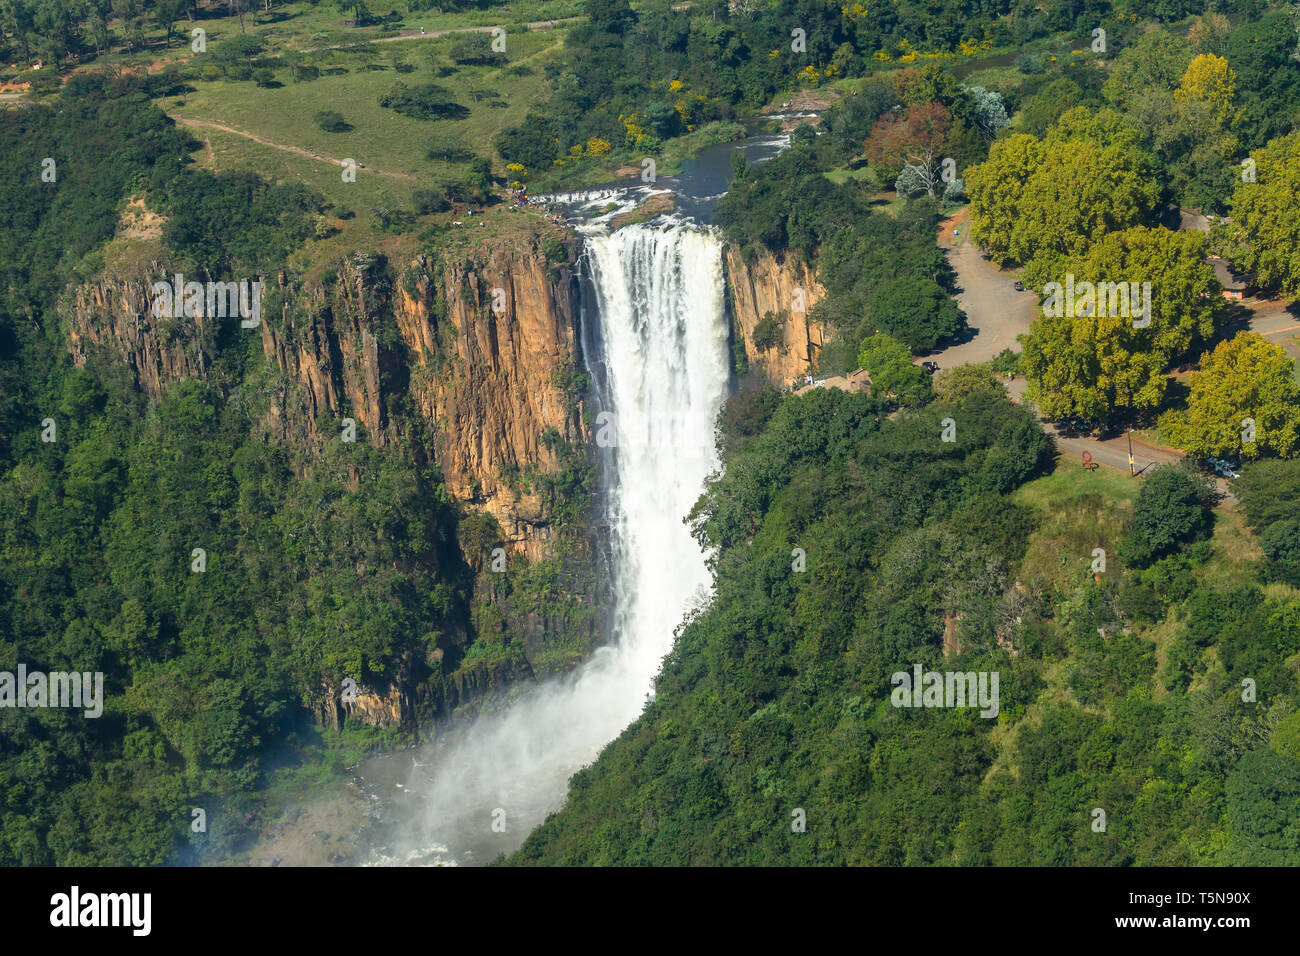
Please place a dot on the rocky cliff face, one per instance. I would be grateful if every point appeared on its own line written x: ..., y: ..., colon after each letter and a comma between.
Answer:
x: 785, y: 347
x: 484, y: 348
x: 508, y: 355
x: 114, y: 315
x: 478, y: 353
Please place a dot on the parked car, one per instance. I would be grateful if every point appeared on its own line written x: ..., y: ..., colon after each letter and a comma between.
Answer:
x: 1223, y: 467
x: 1020, y: 286
x: 930, y: 367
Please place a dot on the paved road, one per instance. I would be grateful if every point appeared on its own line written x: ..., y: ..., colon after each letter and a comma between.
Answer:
x: 993, y: 307
x: 1274, y: 320
x: 1112, y: 452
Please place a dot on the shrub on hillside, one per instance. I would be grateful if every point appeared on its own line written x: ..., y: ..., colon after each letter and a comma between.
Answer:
x: 1173, y: 509
x: 332, y: 122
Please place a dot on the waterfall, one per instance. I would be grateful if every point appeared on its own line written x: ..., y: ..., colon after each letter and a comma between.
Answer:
x: 658, y: 291
x: 660, y: 299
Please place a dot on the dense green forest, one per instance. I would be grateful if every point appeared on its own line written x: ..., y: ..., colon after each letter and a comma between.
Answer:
x: 205, y: 673
x: 1149, y: 702
x: 1145, y: 634
x: 775, y: 705
x: 318, y: 564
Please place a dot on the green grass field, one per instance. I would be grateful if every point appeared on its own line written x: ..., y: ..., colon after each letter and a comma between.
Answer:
x: 231, y: 152
x: 1069, y: 481
x: 380, y: 138
x: 306, y: 26
x: 843, y: 174
x: 271, y: 130
x: 1079, y: 510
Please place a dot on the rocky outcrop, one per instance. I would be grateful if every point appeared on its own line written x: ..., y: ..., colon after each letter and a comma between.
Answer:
x: 485, y: 348
x: 785, y: 346
x: 114, y: 315
x: 496, y: 344
x: 656, y: 205
x: 471, y: 361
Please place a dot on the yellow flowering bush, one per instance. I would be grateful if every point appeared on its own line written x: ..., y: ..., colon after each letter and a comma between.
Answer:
x: 634, y: 125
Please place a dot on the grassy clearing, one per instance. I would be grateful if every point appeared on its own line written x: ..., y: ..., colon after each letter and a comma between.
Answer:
x: 1162, y: 635
x: 380, y: 137
x: 226, y: 151
x: 1153, y: 436
x: 312, y: 26
x: 130, y: 257
x: 889, y: 201
x: 1005, y: 734
x: 996, y: 78
x: 496, y: 227
x: 272, y: 132
x: 1080, y: 510
x: 1081, y: 507
x: 844, y: 175
x: 1071, y: 481
x: 1237, y: 554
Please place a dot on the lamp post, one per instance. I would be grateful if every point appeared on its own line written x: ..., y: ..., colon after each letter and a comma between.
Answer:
x: 1131, y: 472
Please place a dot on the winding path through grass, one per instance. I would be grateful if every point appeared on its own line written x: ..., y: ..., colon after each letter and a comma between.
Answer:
x: 296, y: 150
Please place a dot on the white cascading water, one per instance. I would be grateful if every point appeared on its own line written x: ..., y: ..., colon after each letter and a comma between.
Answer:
x: 659, y: 292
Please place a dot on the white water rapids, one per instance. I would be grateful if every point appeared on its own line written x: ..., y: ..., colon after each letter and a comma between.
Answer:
x: 480, y: 788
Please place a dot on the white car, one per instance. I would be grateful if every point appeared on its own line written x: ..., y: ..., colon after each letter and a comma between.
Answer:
x: 1223, y: 468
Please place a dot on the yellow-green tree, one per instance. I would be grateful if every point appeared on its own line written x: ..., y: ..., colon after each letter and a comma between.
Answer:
x: 1244, y: 401
x: 1209, y: 79
x: 1041, y: 204
x: 995, y: 188
x: 1266, y: 217
x: 1186, y: 305
x: 1091, y: 367
x: 1114, y: 359
x: 954, y: 384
